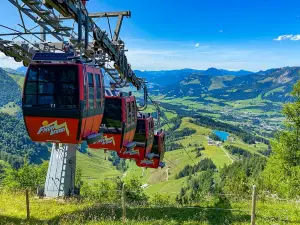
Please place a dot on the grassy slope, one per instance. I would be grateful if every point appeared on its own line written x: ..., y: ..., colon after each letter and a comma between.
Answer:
x: 96, y: 166
x: 18, y: 78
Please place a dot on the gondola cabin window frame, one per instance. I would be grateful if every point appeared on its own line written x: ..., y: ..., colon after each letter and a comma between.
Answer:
x: 50, y: 86
x: 128, y: 113
x: 133, y: 112
x: 91, y: 83
x: 98, y: 91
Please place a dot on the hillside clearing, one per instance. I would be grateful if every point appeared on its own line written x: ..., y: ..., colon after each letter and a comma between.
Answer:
x: 10, y: 108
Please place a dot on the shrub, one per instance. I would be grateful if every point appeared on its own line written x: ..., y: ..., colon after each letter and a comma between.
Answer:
x: 26, y: 177
x: 160, y: 200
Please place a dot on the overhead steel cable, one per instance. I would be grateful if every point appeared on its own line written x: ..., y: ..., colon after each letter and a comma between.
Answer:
x: 171, y: 163
x: 184, y: 148
x: 166, y: 119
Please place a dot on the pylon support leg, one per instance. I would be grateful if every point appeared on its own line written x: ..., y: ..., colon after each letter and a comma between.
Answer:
x: 60, y: 180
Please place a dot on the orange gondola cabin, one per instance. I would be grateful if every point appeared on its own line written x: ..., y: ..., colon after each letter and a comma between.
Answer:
x: 63, y: 99
x: 154, y: 157
x: 143, y: 139
x: 119, y: 122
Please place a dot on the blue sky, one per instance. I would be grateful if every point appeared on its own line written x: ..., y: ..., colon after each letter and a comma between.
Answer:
x: 232, y: 34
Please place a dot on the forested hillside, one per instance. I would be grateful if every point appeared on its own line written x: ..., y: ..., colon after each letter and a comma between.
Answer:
x: 9, y: 89
x: 15, y: 143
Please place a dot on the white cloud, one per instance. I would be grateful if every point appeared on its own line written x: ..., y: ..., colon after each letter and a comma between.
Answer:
x: 288, y: 37
x: 296, y: 37
x: 8, y: 62
x: 168, y: 55
x: 154, y: 55
x: 197, y: 45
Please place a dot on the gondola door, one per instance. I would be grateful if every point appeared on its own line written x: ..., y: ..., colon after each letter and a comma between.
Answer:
x: 128, y: 121
x: 92, y: 103
x: 162, y: 146
x: 150, y: 136
x: 133, y: 118
x: 98, y: 100
x: 85, y: 125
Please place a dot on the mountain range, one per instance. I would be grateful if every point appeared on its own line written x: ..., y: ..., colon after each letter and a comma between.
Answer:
x: 165, y: 77
x: 273, y: 85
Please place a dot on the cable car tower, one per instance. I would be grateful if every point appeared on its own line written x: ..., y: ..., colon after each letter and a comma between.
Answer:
x: 89, y: 42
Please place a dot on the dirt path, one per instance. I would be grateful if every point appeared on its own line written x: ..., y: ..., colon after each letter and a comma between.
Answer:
x: 227, y: 154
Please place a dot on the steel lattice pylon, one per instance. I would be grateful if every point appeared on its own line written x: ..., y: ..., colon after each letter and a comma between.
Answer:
x: 60, y: 180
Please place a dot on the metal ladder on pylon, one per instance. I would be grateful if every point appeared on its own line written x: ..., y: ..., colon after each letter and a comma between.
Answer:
x: 63, y: 172
x: 60, y: 180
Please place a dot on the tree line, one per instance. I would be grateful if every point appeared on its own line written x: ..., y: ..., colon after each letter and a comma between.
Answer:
x: 234, y: 150
x: 236, y: 178
x: 204, y: 165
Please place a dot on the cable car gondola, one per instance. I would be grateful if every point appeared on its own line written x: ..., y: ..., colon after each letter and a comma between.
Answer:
x: 63, y: 99
x: 143, y: 139
x: 118, y: 124
x: 154, y: 157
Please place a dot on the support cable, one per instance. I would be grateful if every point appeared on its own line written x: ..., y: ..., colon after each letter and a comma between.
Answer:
x: 166, y: 119
x: 184, y: 148
x: 171, y: 163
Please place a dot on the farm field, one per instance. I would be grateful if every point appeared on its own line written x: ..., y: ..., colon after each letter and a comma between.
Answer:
x: 245, y: 110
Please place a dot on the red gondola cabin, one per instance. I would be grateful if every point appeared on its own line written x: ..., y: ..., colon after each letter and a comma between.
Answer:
x: 118, y: 124
x: 62, y: 102
x: 143, y: 139
x: 155, y: 156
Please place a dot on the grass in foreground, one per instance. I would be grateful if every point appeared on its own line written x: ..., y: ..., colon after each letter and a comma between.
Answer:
x: 13, y: 211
